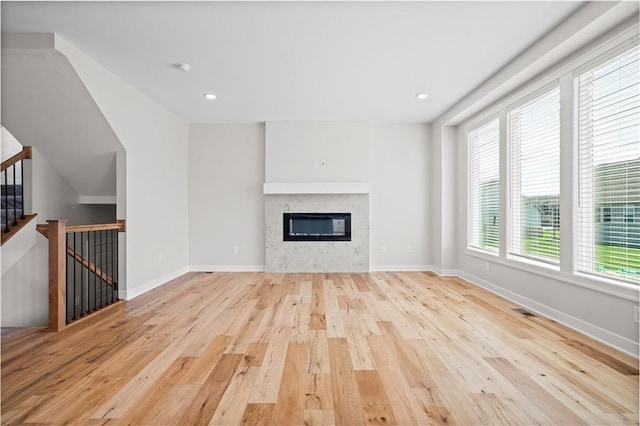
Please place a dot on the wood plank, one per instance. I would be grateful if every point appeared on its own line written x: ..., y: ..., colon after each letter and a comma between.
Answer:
x: 262, y: 348
x: 254, y: 354
x: 319, y: 418
x: 204, y: 405
x: 603, y: 358
x: 347, y: 409
x: 257, y: 414
x: 289, y: 408
x: 535, y: 393
x: 233, y: 404
x: 319, y: 393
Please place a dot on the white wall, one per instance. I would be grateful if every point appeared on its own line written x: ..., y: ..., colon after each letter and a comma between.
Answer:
x: 606, y: 314
x: 340, y: 150
x: 226, y: 205
x: 400, y: 196
x: 156, y: 143
x: 46, y: 105
x: 10, y: 145
x: 25, y: 285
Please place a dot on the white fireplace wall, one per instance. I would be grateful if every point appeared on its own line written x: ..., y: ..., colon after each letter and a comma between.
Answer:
x: 317, y: 152
x: 317, y: 256
x: 226, y: 203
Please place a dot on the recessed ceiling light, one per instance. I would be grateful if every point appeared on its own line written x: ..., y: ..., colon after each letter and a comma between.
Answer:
x: 210, y: 96
x: 183, y: 67
x: 422, y: 96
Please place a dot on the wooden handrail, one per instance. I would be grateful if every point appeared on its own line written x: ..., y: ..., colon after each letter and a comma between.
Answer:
x: 25, y: 153
x: 119, y: 225
x: 90, y: 266
x: 14, y: 229
x: 56, y: 231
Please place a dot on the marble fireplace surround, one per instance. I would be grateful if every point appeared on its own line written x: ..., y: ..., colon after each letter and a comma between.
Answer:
x: 317, y: 256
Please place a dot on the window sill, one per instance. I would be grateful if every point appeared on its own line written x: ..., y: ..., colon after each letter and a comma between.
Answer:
x: 622, y: 290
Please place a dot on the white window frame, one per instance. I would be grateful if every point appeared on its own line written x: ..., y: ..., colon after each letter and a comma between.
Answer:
x: 468, y: 129
x: 591, y: 64
x: 599, y: 51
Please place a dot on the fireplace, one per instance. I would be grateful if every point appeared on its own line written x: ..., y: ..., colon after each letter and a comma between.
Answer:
x: 316, y: 254
x: 316, y: 226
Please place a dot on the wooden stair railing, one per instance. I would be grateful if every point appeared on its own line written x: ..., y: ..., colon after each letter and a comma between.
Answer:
x: 59, y: 251
x: 95, y: 270
x: 13, y: 214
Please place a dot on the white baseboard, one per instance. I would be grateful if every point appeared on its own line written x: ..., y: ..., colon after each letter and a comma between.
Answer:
x: 604, y: 336
x: 400, y: 268
x: 446, y: 272
x: 150, y: 285
x: 227, y: 268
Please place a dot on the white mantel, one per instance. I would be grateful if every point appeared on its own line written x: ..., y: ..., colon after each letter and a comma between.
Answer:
x: 317, y: 188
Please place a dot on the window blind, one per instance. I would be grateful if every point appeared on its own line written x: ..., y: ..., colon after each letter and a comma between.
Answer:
x: 608, y: 229
x: 484, y: 186
x: 534, y: 143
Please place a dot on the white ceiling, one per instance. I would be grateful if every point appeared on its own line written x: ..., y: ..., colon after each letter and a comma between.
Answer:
x: 298, y: 61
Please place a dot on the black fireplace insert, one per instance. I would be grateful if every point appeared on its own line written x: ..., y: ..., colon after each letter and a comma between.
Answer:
x: 317, y: 226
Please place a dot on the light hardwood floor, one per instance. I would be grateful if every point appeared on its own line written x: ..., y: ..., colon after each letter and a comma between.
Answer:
x: 348, y: 349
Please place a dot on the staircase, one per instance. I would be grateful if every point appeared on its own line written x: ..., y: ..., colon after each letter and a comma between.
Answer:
x: 12, y: 214
x: 12, y: 206
x: 83, y: 269
x: 83, y: 259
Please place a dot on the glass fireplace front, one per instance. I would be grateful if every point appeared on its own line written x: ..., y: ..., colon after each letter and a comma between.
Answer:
x: 317, y: 226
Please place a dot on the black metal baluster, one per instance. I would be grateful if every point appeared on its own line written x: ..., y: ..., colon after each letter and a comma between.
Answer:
x: 110, y: 252
x: 101, y: 266
x: 82, y: 268
x: 75, y: 272
x: 67, y: 279
x: 105, y: 269
x: 22, y: 189
x: 15, y: 197
x: 116, y: 261
x: 95, y: 264
x: 6, y: 200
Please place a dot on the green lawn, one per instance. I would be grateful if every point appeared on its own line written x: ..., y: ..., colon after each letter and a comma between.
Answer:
x: 614, y: 260
x: 547, y: 245
x: 621, y: 260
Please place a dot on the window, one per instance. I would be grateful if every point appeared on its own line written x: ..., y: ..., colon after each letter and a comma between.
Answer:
x: 608, y: 132
x: 534, y: 143
x: 600, y: 139
x: 484, y: 183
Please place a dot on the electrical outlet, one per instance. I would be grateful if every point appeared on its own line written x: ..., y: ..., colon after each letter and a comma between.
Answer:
x: 636, y: 314
x: 486, y: 266
x: 159, y: 257
x: 409, y: 249
x: 316, y: 164
x: 383, y: 249
x: 77, y: 300
x: 236, y: 249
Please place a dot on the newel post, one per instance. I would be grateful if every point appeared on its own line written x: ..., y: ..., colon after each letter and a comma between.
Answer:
x: 57, y: 274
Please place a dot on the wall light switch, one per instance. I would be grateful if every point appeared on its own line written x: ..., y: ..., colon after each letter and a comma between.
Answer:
x: 409, y: 249
x: 316, y: 164
x: 236, y: 249
x: 383, y: 249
